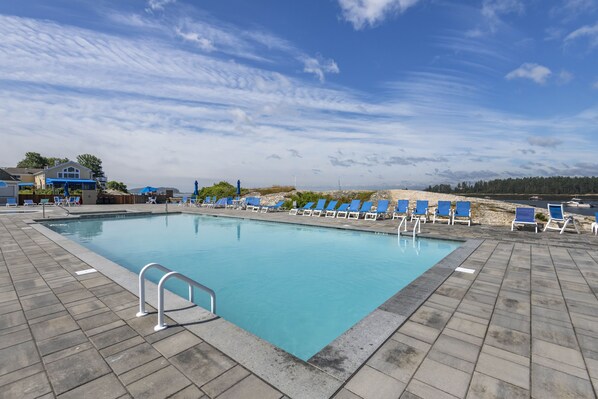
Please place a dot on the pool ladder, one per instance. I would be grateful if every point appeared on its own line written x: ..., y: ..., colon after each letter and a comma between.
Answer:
x: 416, y: 226
x: 169, y: 274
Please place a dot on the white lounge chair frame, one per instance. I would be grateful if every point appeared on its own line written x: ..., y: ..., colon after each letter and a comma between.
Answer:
x: 29, y: 203
x: 564, y: 221
x: 15, y: 204
x: 463, y: 219
x: 595, y: 228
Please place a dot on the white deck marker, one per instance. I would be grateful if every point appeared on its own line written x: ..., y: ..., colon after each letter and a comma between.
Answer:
x: 86, y: 271
x: 465, y: 270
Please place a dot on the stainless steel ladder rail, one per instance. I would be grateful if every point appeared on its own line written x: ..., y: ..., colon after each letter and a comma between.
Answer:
x: 142, y: 273
x: 169, y: 274
x: 192, y: 283
x: 416, y: 226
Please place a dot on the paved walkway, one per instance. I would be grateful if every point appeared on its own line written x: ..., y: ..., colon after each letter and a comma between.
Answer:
x: 525, y: 324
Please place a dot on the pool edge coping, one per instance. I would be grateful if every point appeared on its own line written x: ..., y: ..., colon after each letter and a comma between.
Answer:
x: 324, y: 373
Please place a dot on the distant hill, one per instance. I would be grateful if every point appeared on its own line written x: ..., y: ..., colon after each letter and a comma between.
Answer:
x: 161, y: 190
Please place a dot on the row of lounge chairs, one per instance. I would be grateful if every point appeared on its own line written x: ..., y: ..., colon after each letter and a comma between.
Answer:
x: 557, y: 220
x: 70, y: 201
x: 356, y: 210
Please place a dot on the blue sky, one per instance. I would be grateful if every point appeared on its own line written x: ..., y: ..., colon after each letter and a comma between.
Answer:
x: 374, y: 93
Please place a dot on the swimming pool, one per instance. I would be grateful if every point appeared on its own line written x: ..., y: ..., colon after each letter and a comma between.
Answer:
x: 296, y: 287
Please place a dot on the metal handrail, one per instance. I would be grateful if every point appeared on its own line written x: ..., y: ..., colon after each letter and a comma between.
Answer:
x: 403, y: 223
x: 192, y: 283
x: 416, y: 226
x: 142, y: 273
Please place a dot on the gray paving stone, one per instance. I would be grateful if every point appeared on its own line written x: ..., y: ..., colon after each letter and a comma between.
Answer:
x: 78, y: 369
x: 20, y: 355
x: 191, y: 392
x: 397, y: 360
x: 557, y: 352
x: 113, y: 336
x: 202, y: 363
x: 33, y: 386
x: 346, y: 394
x: 21, y: 373
x: 225, y: 381
x: 106, y: 387
x: 420, y: 332
x: 12, y: 319
x: 15, y: 337
x: 93, y: 322
x: 121, y: 346
x: 251, y: 388
x: 143, y: 371
x: 369, y: 383
x: 504, y: 370
x: 510, y: 340
x: 131, y: 358
x: 549, y: 383
x: 53, y: 327
x: 176, y: 343
x: 445, y: 378
x: 52, y: 357
x: 425, y: 391
x: 161, y: 384
x: 61, y: 342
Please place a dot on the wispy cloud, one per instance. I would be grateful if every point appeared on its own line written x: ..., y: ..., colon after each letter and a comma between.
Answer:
x: 369, y: 13
x: 589, y: 32
x: 537, y: 73
x: 319, y: 66
x: 157, y: 5
x: 547, y: 142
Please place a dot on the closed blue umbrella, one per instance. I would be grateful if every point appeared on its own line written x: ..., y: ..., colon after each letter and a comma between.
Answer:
x: 196, y: 192
x: 66, y: 189
x: 238, y: 187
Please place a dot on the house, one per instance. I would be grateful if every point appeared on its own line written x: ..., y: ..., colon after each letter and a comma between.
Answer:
x: 9, y: 187
x: 24, y: 175
x: 76, y: 175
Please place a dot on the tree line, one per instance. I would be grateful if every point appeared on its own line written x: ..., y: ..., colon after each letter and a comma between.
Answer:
x: 524, y: 185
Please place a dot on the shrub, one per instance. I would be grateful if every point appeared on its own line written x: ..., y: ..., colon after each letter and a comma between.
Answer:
x: 541, y: 217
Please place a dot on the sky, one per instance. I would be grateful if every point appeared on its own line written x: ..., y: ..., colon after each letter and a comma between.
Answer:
x: 312, y: 93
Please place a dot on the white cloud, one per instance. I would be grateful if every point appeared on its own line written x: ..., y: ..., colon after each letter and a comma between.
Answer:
x: 129, y: 98
x: 565, y: 77
x: 528, y: 70
x: 495, y: 8
x: 201, y: 42
x: 587, y: 31
x: 364, y: 13
x: 157, y: 5
x: 319, y: 66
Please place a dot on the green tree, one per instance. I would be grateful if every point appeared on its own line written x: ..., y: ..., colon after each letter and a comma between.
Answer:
x: 33, y: 160
x: 117, y: 185
x: 92, y: 162
x: 51, y: 161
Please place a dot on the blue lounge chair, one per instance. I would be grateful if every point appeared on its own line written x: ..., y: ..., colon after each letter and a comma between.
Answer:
x: 44, y: 201
x: 443, y: 211
x: 58, y: 201
x: 595, y: 225
x: 252, y: 204
x: 332, y: 213
x: 299, y: 211
x: 365, y: 208
x: 28, y: 202
x: 221, y: 203
x: 272, y: 208
x: 420, y: 211
x: 353, y: 207
x: 10, y: 201
x: 525, y: 216
x: 462, y: 213
x: 380, y: 211
x: 319, y: 207
x: 558, y: 218
x: 206, y: 201
x: 329, y: 208
x: 183, y: 202
x: 75, y: 201
x: 402, y: 209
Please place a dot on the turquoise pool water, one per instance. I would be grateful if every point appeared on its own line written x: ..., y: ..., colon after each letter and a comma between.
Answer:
x: 296, y: 287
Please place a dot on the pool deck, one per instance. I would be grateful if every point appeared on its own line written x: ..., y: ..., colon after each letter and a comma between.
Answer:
x: 524, y: 324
